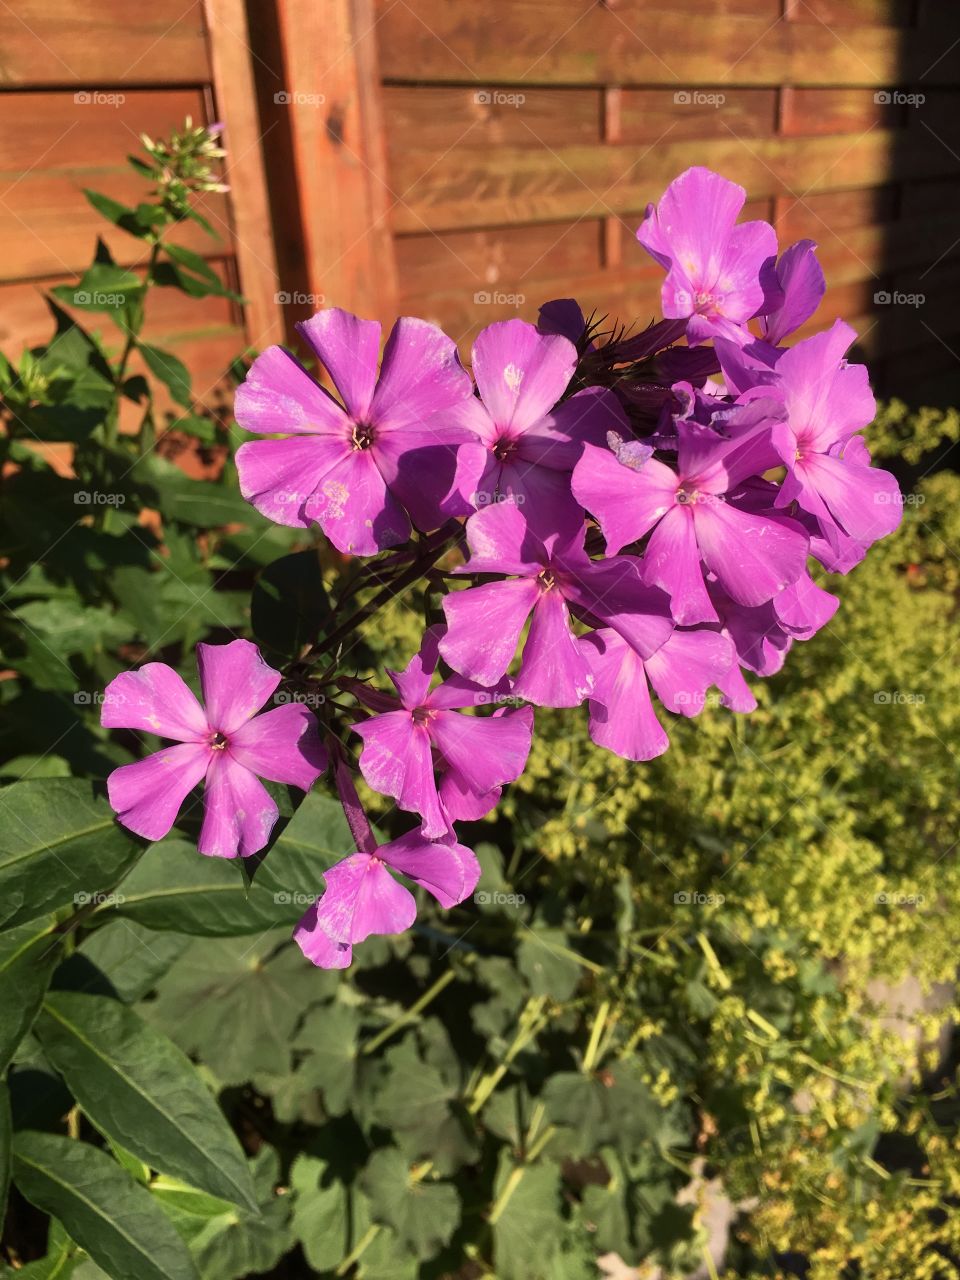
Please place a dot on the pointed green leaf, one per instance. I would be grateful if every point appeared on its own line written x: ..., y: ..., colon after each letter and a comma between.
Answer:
x: 59, y: 843
x: 118, y: 1222
x: 171, y: 371
x: 28, y: 955
x: 143, y: 1092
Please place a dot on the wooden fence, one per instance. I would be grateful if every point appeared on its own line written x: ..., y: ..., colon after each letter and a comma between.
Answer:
x: 466, y: 161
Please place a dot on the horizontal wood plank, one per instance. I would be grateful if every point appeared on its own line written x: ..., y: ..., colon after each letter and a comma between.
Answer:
x: 102, y: 43
x: 577, y: 42
x: 525, y: 185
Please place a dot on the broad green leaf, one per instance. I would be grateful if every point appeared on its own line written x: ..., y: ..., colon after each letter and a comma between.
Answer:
x: 329, y: 1031
x: 227, y: 1243
x: 544, y: 959
x: 118, y: 1222
x: 174, y: 887
x: 28, y: 955
x: 102, y: 287
x: 618, y: 1110
x: 59, y: 843
x: 131, y: 956
x: 222, y: 984
x: 314, y: 839
x: 329, y: 1216
x: 142, y: 1092
x: 423, y: 1214
x: 171, y: 371
x: 197, y: 502
x: 61, y: 1261
x: 525, y: 1233
x: 120, y: 215
x: 289, y: 603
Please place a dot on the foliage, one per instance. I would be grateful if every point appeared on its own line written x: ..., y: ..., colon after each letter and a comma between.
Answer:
x: 670, y: 973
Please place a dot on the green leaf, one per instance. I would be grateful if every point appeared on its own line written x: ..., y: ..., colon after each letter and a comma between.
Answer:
x: 229, y: 1244
x: 329, y: 1216
x: 102, y: 287
x: 289, y: 603
x: 120, y: 215
x: 219, y: 985
x: 28, y: 955
x: 171, y: 371
x: 6, y: 1147
x: 62, y: 1258
x: 59, y: 842
x: 173, y: 887
x: 546, y: 962
x: 525, y: 1234
x: 197, y: 502
x: 314, y: 839
x: 423, y: 1214
x: 131, y: 957
x: 329, y: 1031
x: 617, y: 1111
x: 191, y: 273
x: 118, y: 1222
x: 143, y: 1093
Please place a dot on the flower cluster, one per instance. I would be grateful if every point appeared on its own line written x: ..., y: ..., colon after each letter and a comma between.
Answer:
x: 638, y: 516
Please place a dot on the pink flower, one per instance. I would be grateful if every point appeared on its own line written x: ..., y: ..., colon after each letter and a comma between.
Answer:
x: 363, y: 898
x: 363, y: 468
x: 224, y: 743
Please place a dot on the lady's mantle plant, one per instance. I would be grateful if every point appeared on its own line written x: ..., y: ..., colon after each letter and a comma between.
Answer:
x: 636, y: 516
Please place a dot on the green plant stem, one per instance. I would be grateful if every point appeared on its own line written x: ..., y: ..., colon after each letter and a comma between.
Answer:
x: 410, y: 1014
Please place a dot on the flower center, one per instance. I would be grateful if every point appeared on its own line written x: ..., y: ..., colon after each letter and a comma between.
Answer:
x: 218, y: 742
x: 686, y: 496
x: 363, y: 435
x: 547, y: 580
x: 504, y: 449
x: 422, y: 715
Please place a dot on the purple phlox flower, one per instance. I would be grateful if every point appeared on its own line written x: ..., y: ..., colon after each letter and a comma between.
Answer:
x: 531, y: 442
x: 622, y: 717
x: 828, y: 467
x: 476, y: 755
x: 693, y: 520
x: 802, y: 285
x: 719, y: 274
x: 549, y: 578
x: 363, y: 898
x: 223, y: 742
x: 387, y: 452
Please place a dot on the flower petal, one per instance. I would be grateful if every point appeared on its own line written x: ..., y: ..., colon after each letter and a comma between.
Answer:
x: 553, y: 672
x: 484, y: 625
x: 279, y: 476
x: 753, y: 556
x: 278, y: 395
x: 147, y: 796
x: 485, y: 751
x: 362, y: 898
x: 355, y: 509
x: 683, y: 669
x: 236, y: 682
x: 672, y: 561
x: 627, y: 502
x: 421, y: 378
x: 397, y: 761
x: 317, y: 945
x: 153, y: 699
x: 348, y: 347
x: 446, y: 869
x: 622, y: 718
x: 520, y: 373
x: 238, y: 812
x: 282, y: 745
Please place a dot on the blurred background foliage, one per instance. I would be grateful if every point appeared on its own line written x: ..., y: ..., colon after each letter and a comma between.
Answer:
x: 713, y: 990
